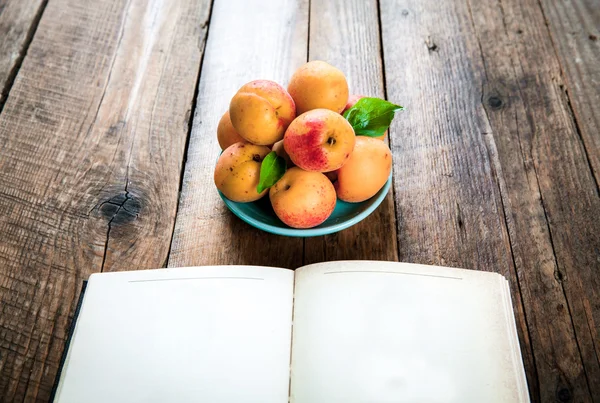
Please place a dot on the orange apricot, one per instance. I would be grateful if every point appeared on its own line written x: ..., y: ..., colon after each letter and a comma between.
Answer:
x: 303, y: 199
x: 365, y: 172
x: 319, y: 140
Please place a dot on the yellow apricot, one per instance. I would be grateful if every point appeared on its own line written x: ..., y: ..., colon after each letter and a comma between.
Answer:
x: 238, y: 171
x: 261, y: 111
x: 318, y: 84
x: 226, y: 134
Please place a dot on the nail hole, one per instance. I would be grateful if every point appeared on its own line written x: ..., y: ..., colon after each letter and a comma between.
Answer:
x: 495, y: 102
x: 431, y: 45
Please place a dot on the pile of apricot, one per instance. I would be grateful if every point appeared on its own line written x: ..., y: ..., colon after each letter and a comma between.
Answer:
x: 303, y: 125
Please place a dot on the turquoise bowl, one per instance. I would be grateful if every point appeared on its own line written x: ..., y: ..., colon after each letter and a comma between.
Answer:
x: 260, y: 214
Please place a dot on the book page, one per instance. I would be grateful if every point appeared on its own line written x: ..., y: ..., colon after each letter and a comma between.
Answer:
x: 211, y: 334
x: 382, y: 332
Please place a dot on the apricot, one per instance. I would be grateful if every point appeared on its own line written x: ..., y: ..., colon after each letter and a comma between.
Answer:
x: 353, y: 99
x: 303, y: 199
x: 261, y: 111
x: 365, y: 172
x: 280, y: 150
x: 238, y: 171
x: 319, y: 140
x: 226, y: 134
x: 318, y: 84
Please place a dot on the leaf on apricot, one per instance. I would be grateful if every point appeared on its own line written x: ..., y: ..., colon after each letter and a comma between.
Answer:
x: 371, y: 116
x: 271, y: 170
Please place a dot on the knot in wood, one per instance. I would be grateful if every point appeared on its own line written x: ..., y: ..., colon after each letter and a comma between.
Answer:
x: 564, y: 395
x: 495, y: 102
x: 121, y: 208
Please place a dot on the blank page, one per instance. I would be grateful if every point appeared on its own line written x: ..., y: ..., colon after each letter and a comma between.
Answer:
x: 210, y: 334
x: 388, y: 332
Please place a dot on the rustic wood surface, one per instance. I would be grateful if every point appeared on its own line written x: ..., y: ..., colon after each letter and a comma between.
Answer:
x: 575, y: 32
x: 447, y: 196
x: 536, y: 139
x: 92, y: 139
x: 107, y: 146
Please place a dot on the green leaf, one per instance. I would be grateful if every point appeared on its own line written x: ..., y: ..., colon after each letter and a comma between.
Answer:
x: 271, y: 170
x: 371, y: 116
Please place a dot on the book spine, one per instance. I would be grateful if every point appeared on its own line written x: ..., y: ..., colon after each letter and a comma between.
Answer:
x: 68, y: 342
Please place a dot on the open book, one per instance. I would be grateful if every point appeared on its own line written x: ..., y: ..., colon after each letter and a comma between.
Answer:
x: 351, y: 331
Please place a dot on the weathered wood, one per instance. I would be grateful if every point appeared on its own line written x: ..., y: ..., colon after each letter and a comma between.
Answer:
x: 547, y: 188
x: 495, y: 156
x: 449, y: 206
x: 92, y: 139
x: 18, y: 21
x: 575, y: 29
x: 572, y: 204
x: 346, y: 34
x: 247, y: 40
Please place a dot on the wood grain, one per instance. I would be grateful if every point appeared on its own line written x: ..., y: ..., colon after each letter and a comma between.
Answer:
x: 18, y: 21
x: 575, y: 32
x: 571, y: 199
x: 346, y: 35
x: 544, y: 175
x: 247, y: 40
x: 91, y: 145
x: 448, y: 202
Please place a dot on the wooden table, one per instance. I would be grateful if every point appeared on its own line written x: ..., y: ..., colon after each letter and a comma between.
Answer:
x: 108, y: 116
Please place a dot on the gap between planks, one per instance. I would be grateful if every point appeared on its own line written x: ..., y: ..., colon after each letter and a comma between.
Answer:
x: 12, y: 74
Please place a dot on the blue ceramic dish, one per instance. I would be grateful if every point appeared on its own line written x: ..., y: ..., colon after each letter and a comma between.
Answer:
x: 260, y: 214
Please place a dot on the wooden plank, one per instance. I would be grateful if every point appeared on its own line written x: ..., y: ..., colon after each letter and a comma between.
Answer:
x: 548, y: 192
x: 18, y: 21
x: 92, y: 140
x: 448, y: 202
x: 346, y: 35
x: 575, y: 29
x: 248, y: 40
x: 572, y: 204
x: 496, y: 62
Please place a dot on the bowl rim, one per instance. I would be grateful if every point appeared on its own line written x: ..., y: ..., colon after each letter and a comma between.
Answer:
x: 374, y: 202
